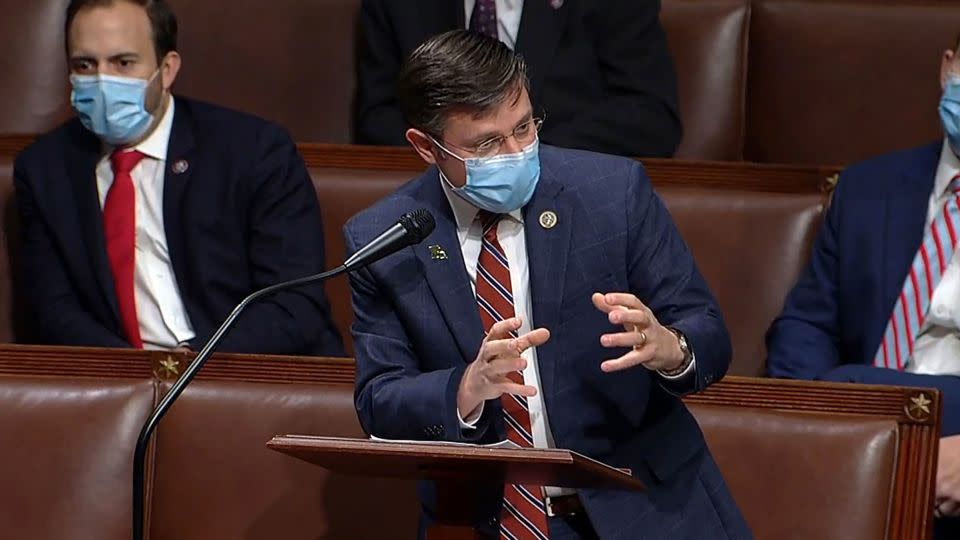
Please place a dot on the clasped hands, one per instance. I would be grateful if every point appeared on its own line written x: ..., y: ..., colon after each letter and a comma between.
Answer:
x: 653, y: 346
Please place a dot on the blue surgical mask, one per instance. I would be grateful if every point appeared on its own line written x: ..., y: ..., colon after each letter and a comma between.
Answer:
x: 950, y: 112
x: 502, y: 183
x: 114, y: 108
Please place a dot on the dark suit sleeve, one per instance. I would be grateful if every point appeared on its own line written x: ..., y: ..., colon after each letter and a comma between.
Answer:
x: 663, y: 275
x: 378, y: 119
x: 285, y: 241
x: 58, y: 317
x: 395, y: 398
x: 640, y: 115
x: 803, y: 342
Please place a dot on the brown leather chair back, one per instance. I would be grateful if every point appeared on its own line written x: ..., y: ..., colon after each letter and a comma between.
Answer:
x: 215, y: 477
x: 708, y: 41
x: 836, y: 82
x: 34, y: 92
x: 8, y: 249
x: 287, y: 60
x: 342, y: 194
x: 840, y: 470
x: 861, y: 460
x: 775, y: 81
x: 749, y: 272
x: 67, y: 454
x: 815, y: 460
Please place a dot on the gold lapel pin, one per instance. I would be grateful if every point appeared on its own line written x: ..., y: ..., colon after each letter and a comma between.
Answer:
x: 437, y: 253
x: 548, y: 219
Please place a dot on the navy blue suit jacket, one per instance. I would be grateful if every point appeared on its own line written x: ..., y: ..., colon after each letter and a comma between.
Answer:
x: 417, y: 327
x: 835, y: 317
x: 244, y: 215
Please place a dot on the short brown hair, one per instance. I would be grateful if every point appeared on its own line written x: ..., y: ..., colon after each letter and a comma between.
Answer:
x: 162, y: 21
x: 458, y: 69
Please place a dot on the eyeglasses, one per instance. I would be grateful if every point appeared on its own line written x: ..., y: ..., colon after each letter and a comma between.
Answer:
x: 525, y: 133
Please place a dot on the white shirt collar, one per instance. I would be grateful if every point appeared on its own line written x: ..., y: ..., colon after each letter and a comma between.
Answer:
x: 155, y: 146
x: 464, y: 212
x: 947, y: 168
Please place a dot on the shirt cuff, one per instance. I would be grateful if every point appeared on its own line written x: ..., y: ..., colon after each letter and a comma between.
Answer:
x: 691, y: 368
x: 471, y: 421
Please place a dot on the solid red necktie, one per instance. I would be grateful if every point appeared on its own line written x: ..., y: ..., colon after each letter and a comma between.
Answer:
x: 119, y: 226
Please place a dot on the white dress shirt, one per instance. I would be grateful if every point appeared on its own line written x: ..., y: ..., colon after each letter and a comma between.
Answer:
x: 164, y: 323
x: 511, y: 236
x: 508, y: 19
x: 937, y: 349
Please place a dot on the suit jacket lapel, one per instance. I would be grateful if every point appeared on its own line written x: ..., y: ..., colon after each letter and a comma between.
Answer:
x: 541, y: 27
x: 547, y: 251
x: 83, y: 157
x: 447, y: 278
x: 179, y: 167
x: 906, y: 224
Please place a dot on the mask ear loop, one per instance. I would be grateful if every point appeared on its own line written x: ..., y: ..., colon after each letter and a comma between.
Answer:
x: 443, y: 150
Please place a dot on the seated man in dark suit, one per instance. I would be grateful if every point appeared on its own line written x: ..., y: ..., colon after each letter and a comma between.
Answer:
x: 601, y: 72
x: 880, y: 301
x: 595, y: 315
x: 148, y: 217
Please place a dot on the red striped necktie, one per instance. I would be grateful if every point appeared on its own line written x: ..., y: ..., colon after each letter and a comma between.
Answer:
x: 524, y: 513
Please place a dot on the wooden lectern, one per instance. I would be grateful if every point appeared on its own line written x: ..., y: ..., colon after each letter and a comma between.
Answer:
x: 455, y: 468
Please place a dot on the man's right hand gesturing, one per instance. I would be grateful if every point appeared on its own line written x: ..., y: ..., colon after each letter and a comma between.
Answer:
x: 486, y: 377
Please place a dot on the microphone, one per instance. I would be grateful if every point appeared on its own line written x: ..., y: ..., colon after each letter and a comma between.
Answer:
x: 410, y: 229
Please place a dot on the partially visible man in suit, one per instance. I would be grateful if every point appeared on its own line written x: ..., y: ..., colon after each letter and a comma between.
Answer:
x: 601, y: 72
x: 554, y: 305
x: 148, y: 217
x: 879, y: 302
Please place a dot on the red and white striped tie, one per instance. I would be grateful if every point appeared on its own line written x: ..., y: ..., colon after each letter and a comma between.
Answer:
x: 929, y: 265
x: 524, y: 514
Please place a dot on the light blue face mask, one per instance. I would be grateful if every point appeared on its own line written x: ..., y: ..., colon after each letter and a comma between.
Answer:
x: 114, y: 108
x: 503, y: 183
x: 950, y: 112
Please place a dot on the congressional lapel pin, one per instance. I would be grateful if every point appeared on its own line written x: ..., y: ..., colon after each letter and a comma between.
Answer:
x: 180, y: 166
x: 437, y: 253
x: 556, y: 4
x: 548, y: 219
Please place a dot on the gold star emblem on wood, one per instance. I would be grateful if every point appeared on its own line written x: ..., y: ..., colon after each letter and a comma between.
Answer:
x: 919, y: 406
x: 169, y: 368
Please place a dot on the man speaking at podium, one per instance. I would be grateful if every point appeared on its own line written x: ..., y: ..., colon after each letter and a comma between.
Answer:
x: 555, y: 304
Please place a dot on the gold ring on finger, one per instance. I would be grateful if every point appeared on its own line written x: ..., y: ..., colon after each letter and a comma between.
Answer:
x: 643, y: 341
